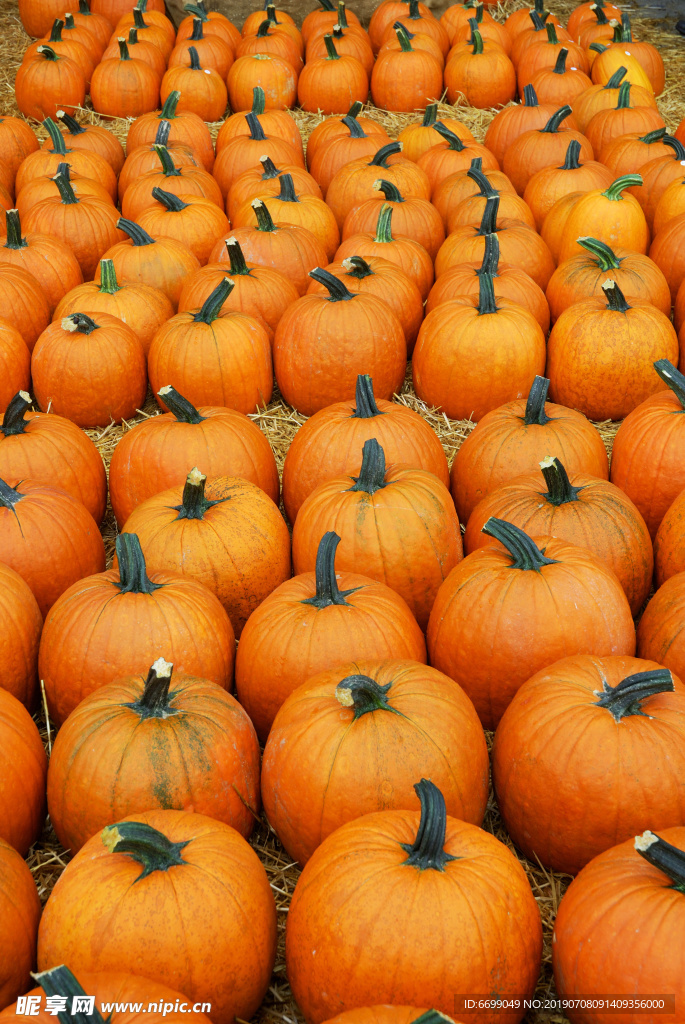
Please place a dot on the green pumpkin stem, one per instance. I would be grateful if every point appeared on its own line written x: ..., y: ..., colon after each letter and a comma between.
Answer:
x: 56, y: 31
x: 198, y: 32
x: 70, y: 123
x: 168, y: 111
x: 477, y: 41
x: 535, y: 406
x: 47, y: 52
x: 606, y: 258
x: 59, y: 981
x: 432, y: 1016
x: 427, y: 852
x: 327, y: 5
x: 138, y: 19
x: 365, y: 400
x: 132, y: 37
x: 197, y: 11
x: 403, y: 38
x: 154, y: 700
x: 108, y: 278
x: 559, y: 488
x: 490, y: 264
x: 13, y: 421
x: 183, y: 410
x: 384, y: 224
x: 270, y: 169
x: 256, y: 130
x: 551, y: 33
x: 485, y: 188
x: 79, y: 323
x: 162, y: 134
x: 623, y: 102
x: 560, y: 65
x: 211, y: 308
x: 615, y: 297
x: 677, y: 147
x: 84, y: 7
x: 364, y: 695
x: 572, y: 158
x: 625, y: 699
x: 356, y: 266
x: 331, y: 52
x: 239, y: 267
x: 168, y: 167
x: 673, y: 377
x: 380, y: 158
x: 138, y: 235
x: 287, y: 193
x: 654, y: 136
x: 56, y: 137
x: 372, y: 473
x: 389, y: 189
x: 327, y: 590
x: 194, y: 59
x: 555, y: 120
x: 172, y: 203
x: 626, y: 30
x: 264, y: 218
x: 194, y: 504
x: 14, y: 239
x: 263, y: 29
x: 430, y: 115
x: 9, y: 497
x: 663, y: 856
x: 133, y: 577
x: 414, y: 12
x: 618, y: 75
x: 539, y: 19
x: 525, y: 554
x: 123, y: 49
x: 600, y: 15
x: 618, y: 32
x: 337, y: 289
x: 476, y: 164
x: 530, y: 97
x: 353, y: 126
x: 146, y: 845
x: 488, y: 223
x: 342, y: 14
x: 450, y: 137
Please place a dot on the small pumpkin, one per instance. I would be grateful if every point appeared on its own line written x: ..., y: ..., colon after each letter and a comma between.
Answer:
x: 49, y: 260
x: 92, y: 137
x: 544, y: 55
x: 23, y: 625
x: 126, y: 87
x: 97, y: 24
x: 671, y: 204
x: 241, y: 153
x: 355, y: 182
x: 387, y: 12
x: 24, y: 304
x: 543, y: 147
x: 211, y: 50
x: 203, y: 90
x: 331, y: 83
x: 82, y: 55
x: 150, y: 26
x: 19, y: 915
x: 273, y: 75
x: 332, y: 127
x: 45, y: 187
x: 480, y: 78
x: 417, y: 137
x: 47, y: 83
x: 273, y: 122
x: 511, y: 122
x: 471, y: 210
x: 187, y: 180
x: 667, y: 252
x: 139, y: 49
x: 17, y: 140
x: 604, y: 96
x: 452, y: 155
x: 321, y: 20
x: 407, y: 78
x: 668, y: 547
x: 193, y: 220
x: 402, y: 250
x: 350, y: 143
x: 23, y: 765
x: 263, y: 180
x: 551, y: 183
x: 15, y: 363
x: 213, y: 23
x: 457, y: 187
x: 629, y: 153
x: 607, y: 125
x: 561, y: 83
x: 413, y: 217
x: 418, y: 41
x: 305, y: 210
x: 82, y: 161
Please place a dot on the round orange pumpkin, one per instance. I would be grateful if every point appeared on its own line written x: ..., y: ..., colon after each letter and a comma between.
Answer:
x: 23, y: 769
x: 19, y: 645
x: 19, y: 915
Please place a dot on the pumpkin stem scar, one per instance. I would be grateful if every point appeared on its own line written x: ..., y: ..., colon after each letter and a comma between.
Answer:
x: 144, y: 844
x: 364, y: 695
x: 194, y: 504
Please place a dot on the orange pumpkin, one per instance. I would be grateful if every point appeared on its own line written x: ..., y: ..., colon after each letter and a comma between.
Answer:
x: 213, y: 23
x: 332, y: 127
x: 511, y: 122
x: 470, y: 211
x: 15, y: 363
x: 274, y: 76
x: 607, y: 125
x: 126, y: 87
x: 407, y: 78
x: 24, y: 764
x: 480, y: 78
x: 193, y: 220
x: 333, y: 82
x: 211, y: 50
x: 551, y: 183
x: 341, y: 147
x: 604, y: 96
x: 668, y: 544
x: 23, y: 302
x: 19, y: 913
x: 24, y: 622
x: 92, y: 137
x: 50, y: 261
x: 561, y: 83
x: 417, y: 137
x: 667, y: 252
x: 305, y: 210
x: 543, y: 147
x: 402, y: 250
x: 55, y: 152
x: 187, y: 180
x: 203, y: 90
x: 355, y: 182
x: 273, y: 121
x: 629, y: 153
x: 139, y: 49
x: 414, y: 217
x: 185, y: 127
x: 452, y: 155
x: 241, y: 153
x: 457, y: 187
x: 47, y: 83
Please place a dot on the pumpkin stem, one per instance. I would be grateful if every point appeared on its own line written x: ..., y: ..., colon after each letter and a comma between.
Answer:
x: 490, y: 264
x: 56, y: 137
x: 123, y: 49
x: 488, y: 223
x: 263, y: 29
x: 381, y: 157
x: 108, y: 278
x: 198, y: 32
x: 239, y: 267
x: 623, y: 102
x: 194, y: 504
x: 476, y: 164
x: 132, y: 36
x: 287, y: 193
x: 168, y: 167
x: 342, y: 14
x: 552, y: 33
x: 669, y: 375
x: 605, y: 257
x: 13, y: 420
x: 270, y: 169
x: 477, y: 40
x: 486, y: 295
x: 332, y: 53
x: 353, y: 126
x: 560, y: 66
x: 327, y: 590
x: 14, y: 239
x: 535, y: 406
x: 365, y: 400
x: 626, y: 31
x: 530, y: 97
x: 486, y: 189
x: 172, y: 203
x: 138, y: 19
x: 56, y: 31
x: 196, y: 10
x: 337, y: 289
x: 211, y: 307
x: 413, y: 10
x: 145, y: 844
x: 71, y: 124
x: 525, y: 554
x: 430, y: 115
x: 618, y: 75
x: 451, y: 137
x: 327, y: 5
x: 59, y: 981
x: 615, y: 297
x: 80, y: 323
x: 47, y: 52
x: 154, y: 700
x: 572, y: 159
x: 194, y: 59
x: 538, y: 18
x: 559, y: 489
x: 676, y: 145
x: 655, y: 136
x: 600, y: 15
x: 664, y: 856
x: 618, y: 32
x: 84, y: 7
x: 372, y: 473
x: 427, y: 852
x: 138, y: 235
x: 356, y: 266
x: 133, y: 577
x: 403, y: 38
x: 168, y: 111
x: 555, y: 120
x: 626, y: 697
x: 256, y: 130
x: 183, y: 410
x: 264, y: 218
x: 364, y: 695
x: 390, y: 190
x: 162, y: 134
x: 384, y: 224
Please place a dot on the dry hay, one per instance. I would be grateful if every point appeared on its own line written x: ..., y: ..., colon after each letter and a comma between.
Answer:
x: 280, y: 423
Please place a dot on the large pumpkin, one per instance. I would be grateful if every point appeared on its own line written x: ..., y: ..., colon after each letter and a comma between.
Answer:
x: 329, y: 444
x: 153, y: 743
x: 23, y: 768
x: 570, y: 602
x: 367, y: 729
x: 228, y: 535
x: 641, y: 880
x: 324, y: 619
x: 425, y: 868
x: 93, y: 636
x: 588, y: 751
x: 398, y: 527
x: 158, y: 452
x: 19, y: 916
x: 669, y: 557
x: 583, y: 510
x: 511, y: 441
x: 22, y: 627
x: 156, y: 884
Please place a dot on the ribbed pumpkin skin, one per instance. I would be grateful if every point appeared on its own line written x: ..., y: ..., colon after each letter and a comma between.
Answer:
x: 89, y: 227
x: 156, y: 454
x: 575, y: 606
x: 646, y: 458
x: 630, y: 344
x: 510, y: 283
x: 550, y: 183
x: 22, y: 625
x: 163, y: 264
x: 24, y: 305
x: 19, y: 915
x: 239, y: 550
x: 669, y: 555
x: 229, y: 946
x: 601, y: 519
x: 660, y: 631
x: 570, y: 780
x: 93, y: 636
x: 317, y: 753
x: 599, y: 911
x: 143, y: 307
x: 335, y: 913
x: 202, y: 755
x: 23, y: 769
x: 580, y: 277
x: 667, y: 252
x: 51, y: 262
x: 503, y: 446
x: 15, y: 363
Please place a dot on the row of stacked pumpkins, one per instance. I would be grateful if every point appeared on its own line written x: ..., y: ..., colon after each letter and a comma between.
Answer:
x: 223, y: 266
